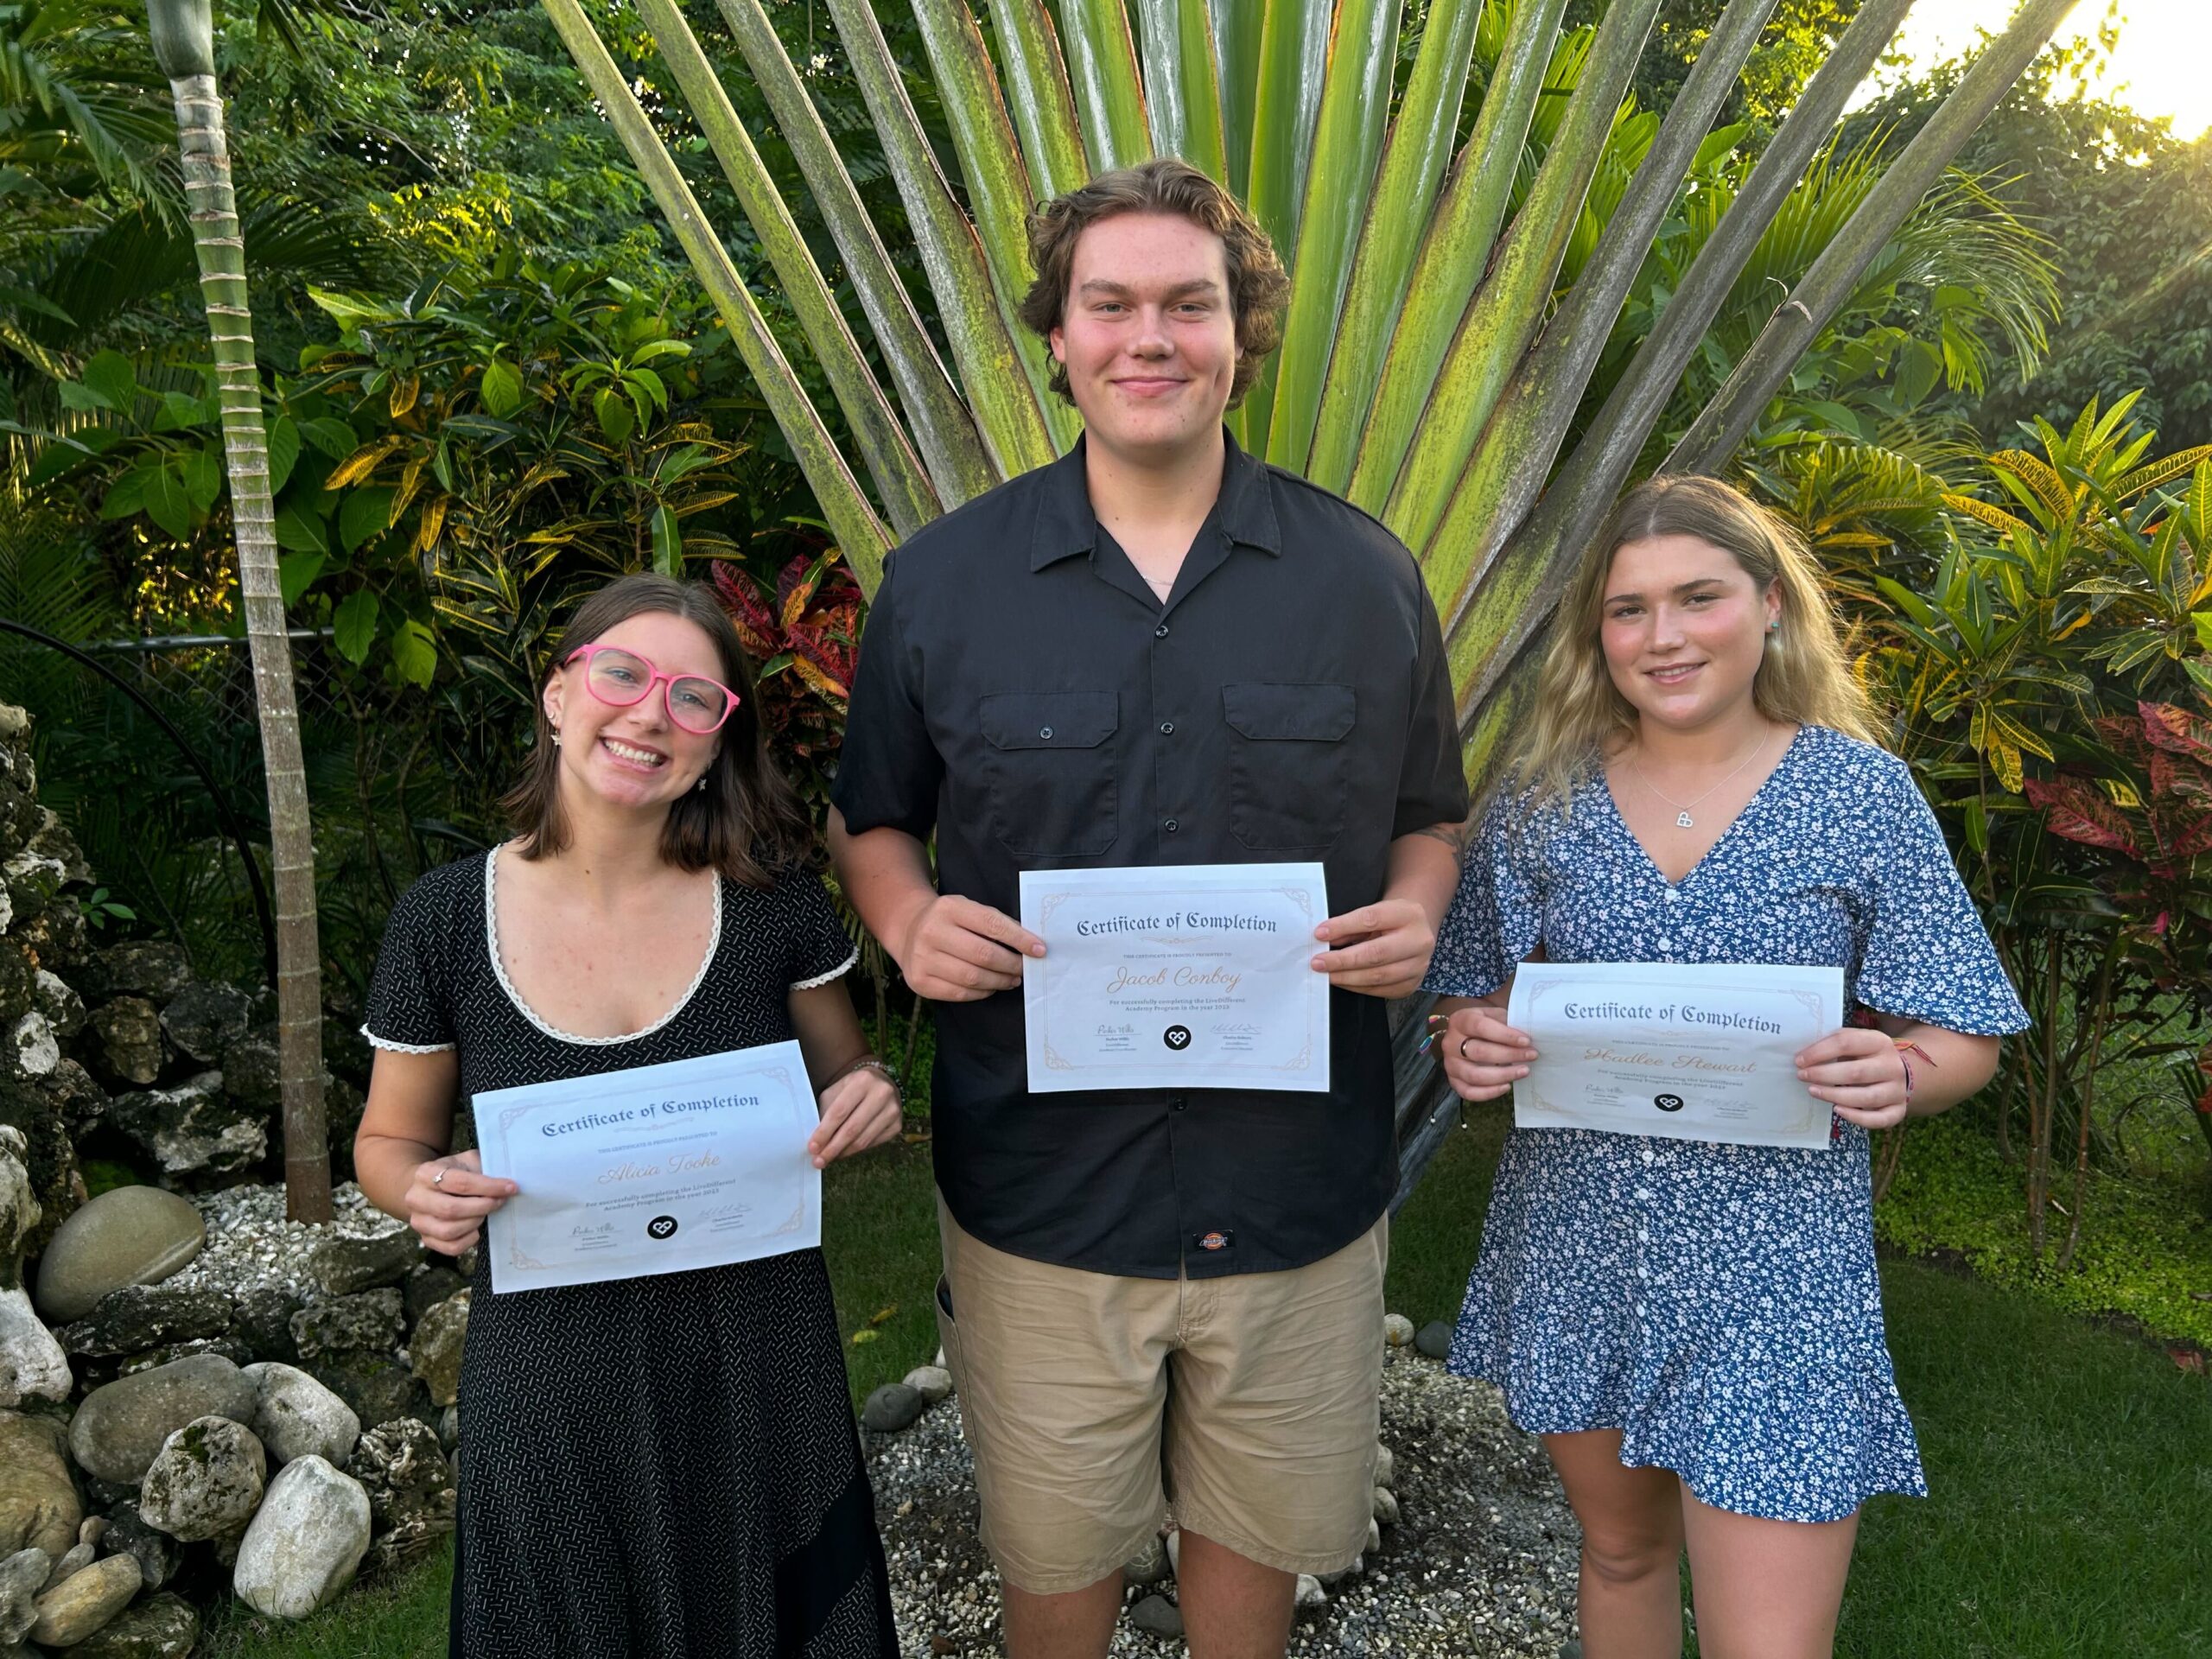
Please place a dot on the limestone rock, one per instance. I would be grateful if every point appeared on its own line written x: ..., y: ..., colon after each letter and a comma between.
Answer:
x: 429, y: 1285
x: 227, y: 1347
x: 52, y: 840
x: 1386, y: 1506
x: 32, y: 1111
x: 1157, y: 1615
x: 1397, y: 1330
x: 20, y: 1209
x: 156, y: 1552
x: 63, y: 1009
x: 436, y: 1348
x: 1310, y: 1594
x: 203, y: 1019
x: 262, y: 1318
x: 345, y: 1266
x: 92, y: 1530
x: 119, y: 1428
x: 304, y: 1546
x: 378, y: 1387
x: 83, y: 1603
x: 932, y: 1383
x: 139, y: 1317
x: 891, y: 1407
x: 1374, y: 1535
x: 22, y: 1576
x: 192, y: 1127
x: 1385, y: 1465
x: 155, y: 968
x: 1149, y: 1566
x: 207, y: 1480
x: 164, y: 1627
x: 365, y: 1323
x: 32, y: 1364
x: 29, y: 1047
x: 410, y: 1487
x: 253, y: 1070
x: 295, y: 1416
x: 128, y: 1235
x: 131, y: 1038
x: 80, y: 1557
x: 38, y: 1501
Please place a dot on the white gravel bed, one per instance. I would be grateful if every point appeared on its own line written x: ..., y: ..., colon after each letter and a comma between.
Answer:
x: 1482, y: 1562
x: 250, y: 1244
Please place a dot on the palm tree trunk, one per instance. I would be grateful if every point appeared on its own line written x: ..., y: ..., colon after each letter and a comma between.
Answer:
x: 184, y: 43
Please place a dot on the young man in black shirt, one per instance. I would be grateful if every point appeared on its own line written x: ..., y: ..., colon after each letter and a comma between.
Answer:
x: 1156, y: 651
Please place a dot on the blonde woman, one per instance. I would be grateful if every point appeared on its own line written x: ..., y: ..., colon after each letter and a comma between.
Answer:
x: 1696, y: 1328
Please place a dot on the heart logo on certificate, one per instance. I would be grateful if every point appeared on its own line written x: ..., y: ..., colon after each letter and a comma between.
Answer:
x: 1668, y: 1102
x: 661, y: 1227
x: 1177, y: 1038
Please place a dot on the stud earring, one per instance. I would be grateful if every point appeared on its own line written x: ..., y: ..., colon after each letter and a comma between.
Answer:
x: 557, y: 737
x: 702, y: 783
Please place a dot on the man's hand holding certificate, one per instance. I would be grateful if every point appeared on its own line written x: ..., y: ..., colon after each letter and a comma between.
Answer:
x: 1180, y: 976
x: 1693, y: 1053
x: 693, y: 1164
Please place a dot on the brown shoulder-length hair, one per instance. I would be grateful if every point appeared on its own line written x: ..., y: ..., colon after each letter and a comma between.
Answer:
x: 1806, y: 678
x: 1258, y: 291
x: 748, y: 823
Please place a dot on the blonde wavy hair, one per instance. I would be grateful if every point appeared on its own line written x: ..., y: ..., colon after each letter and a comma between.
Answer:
x: 1806, y: 679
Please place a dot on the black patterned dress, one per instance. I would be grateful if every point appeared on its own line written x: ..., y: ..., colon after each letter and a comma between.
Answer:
x: 654, y: 1468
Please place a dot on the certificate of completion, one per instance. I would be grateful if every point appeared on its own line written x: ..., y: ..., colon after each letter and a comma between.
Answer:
x: 1690, y: 1052
x: 1185, y: 976
x: 692, y: 1164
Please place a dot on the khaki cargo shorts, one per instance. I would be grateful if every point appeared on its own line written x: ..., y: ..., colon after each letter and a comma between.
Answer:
x: 1097, y: 1407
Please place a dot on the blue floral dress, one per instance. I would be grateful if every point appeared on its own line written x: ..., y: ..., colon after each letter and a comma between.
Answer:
x: 1717, y: 1304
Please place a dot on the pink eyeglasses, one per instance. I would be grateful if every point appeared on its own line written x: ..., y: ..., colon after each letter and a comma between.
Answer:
x: 625, y: 679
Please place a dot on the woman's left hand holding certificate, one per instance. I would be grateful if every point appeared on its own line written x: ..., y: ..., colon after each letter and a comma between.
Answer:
x: 449, y: 1198
x: 656, y: 1169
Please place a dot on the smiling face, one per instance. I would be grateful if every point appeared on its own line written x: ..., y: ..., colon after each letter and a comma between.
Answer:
x: 634, y: 757
x: 1148, y: 336
x: 1683, y: 626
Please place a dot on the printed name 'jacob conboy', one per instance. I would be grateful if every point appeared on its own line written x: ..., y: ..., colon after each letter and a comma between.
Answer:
x: 1188, y: 918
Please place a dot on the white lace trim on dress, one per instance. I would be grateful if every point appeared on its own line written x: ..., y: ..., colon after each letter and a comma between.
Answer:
x: 838, y: 972
x: 376, y: 1041
x: 499, y: 968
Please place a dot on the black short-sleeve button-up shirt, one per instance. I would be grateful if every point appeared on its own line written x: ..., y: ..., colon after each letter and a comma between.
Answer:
x: 1025, y: 696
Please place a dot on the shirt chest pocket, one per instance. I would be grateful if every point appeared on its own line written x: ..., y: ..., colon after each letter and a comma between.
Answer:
x: 1049, y: 767
x: 1288, y: 749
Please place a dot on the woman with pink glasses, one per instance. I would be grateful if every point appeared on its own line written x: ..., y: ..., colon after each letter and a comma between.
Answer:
x: 664, y: 1467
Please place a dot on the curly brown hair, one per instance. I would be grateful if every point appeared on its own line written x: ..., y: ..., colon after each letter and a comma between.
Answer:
x: 1258, y: 289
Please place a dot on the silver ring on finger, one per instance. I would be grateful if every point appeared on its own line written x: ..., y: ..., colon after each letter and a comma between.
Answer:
x: 439, y: 1178
x: 1464, y: 1041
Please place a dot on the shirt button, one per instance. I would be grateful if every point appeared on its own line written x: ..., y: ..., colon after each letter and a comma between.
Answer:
x: 1159, y: 632
x: 1176, y: 1102
x: 1046, y: 732
x: 1168, y: 728
x: 1171, y: 826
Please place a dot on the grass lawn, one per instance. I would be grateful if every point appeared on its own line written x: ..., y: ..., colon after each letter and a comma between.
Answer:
x: 2072, y: 1512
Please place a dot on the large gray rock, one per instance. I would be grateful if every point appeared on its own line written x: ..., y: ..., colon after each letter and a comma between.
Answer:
x: 435, y: 1350
x: 155, y: 968
x: 38, y: 1501
x: 63, y: 1009
x: 192, y: 1127
x: 29, y: 1047
x: 344, y: 1267
x: 891, y: 1408
x: 262, y: 1318
x: 32, y: 1109
x: 162, y: 1627
x: 128, y: 1235
x: 253, y: 1070
x: 203, y: 1019
x: 306, y: 1543
x: 207, y: 1480
x: 410, y: 1487
x: 22, y: 1576
x: 131, y: 1038
x: 142, y: 1317
x: 367, y: 1323
x: 295, y: 1416
x: 84, y: 1601
x: 156, y: 1552
x: 52, y: 840
x: 32, y: 1364
x: 20, y: 1210
x: 80, y: 1101
x: 119, y: 1428
x: 428, y: 1286
x: 377, y: 1386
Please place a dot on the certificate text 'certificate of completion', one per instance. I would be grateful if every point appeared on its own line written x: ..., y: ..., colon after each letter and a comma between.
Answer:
x: 692, y: 1164
x: 1185, y: 976
x: 1703, y: 1051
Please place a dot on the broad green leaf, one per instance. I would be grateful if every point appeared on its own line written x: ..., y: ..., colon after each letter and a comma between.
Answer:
x: 350, y: 313
x: 168, y: 502
x: 301, y: 533
x: 501, y: 389
x: 2203, y: 619
x: 75, y: 396
x: 354, y: 627
x: 126, y: 496
x: 297, y: 573
x: 333, y: 436
x: 615, y: 415
x: 203, y: 477
x: 284, y: 440
x: 109, y: 376
x: 413, y: 653
x: 179, y: 411
x: 365, y: 516
x: 667, y: 542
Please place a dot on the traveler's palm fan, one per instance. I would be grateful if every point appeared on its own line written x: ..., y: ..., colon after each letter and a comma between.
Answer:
x: 1449, y: 309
